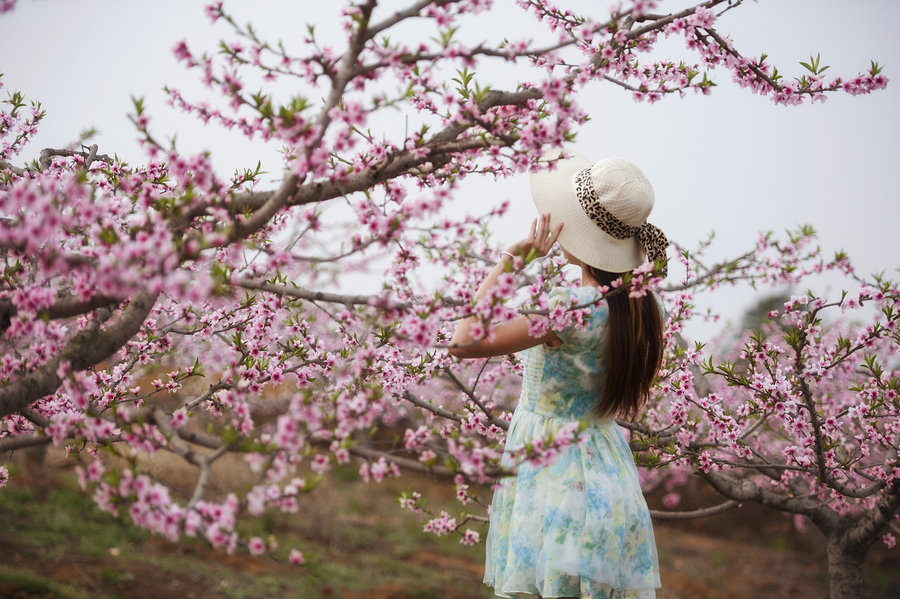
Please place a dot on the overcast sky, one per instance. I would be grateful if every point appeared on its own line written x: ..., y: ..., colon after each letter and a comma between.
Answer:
x: 731, y: 162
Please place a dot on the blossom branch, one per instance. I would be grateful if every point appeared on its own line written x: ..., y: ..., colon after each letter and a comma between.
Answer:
x: 436, y: 410
x: 88, y: 157
x: 493, y: 419
x: 86, y: 348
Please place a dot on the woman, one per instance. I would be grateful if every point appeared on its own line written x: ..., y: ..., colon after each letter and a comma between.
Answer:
x: 579, y: 526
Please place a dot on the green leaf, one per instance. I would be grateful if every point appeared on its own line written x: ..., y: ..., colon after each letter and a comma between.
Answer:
x: 108, y: 236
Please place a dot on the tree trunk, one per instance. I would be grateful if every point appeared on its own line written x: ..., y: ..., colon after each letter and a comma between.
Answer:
x: 845, y: 576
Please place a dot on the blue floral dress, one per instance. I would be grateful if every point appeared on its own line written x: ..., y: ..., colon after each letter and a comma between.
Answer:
x: 578, y: 527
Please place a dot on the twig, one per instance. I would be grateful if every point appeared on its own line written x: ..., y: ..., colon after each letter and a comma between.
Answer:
x: 499, y: 422
x: 700, y: 513
x: 437, y: 410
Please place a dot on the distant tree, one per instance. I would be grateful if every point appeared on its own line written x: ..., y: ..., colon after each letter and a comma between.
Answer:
x: 760, y: 313
x: 165, y: 309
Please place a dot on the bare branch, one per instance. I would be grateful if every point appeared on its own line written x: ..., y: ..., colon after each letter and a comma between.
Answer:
x: 405, y: 463
x: 401, y: 15
x: 747, y: 490
x: 64, y: 307
x: 436, y: 410
x: 492, y: 418
x: 659, y: 21
x: 873, y: 522
x: 177, y: 444
x: 23, y: 441
x: 313, y: 296
x: 264, y: 214
x: 6, y: 166
x: 34, y: 417
x: 90, y: 156
x: 699, y: 513
x: 345, y: 73
x: 213, y: 389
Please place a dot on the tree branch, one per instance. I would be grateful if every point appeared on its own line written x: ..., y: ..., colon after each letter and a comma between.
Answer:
x: 316, y: 296
x: 660, y: 22
x: 873, y: 522
x: 405, y: 463
x: 700, y: 513
x: 64, y: 307
x: 436, y: 410
x: 264, y: 214
x: 90, y: 156
x: 746, y: 490
x: 23, y: 441
x: 178, y: 446
x: 492, y: 418
x: 84, y: 349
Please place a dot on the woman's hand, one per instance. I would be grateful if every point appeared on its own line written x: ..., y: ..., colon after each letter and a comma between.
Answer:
x: 539, y: 241
x: 516, y: 335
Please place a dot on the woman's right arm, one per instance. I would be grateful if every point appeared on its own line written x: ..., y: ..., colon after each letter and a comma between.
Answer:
x: 513, y: 336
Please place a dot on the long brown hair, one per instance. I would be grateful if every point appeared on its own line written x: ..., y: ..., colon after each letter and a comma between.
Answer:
x: 634, y: 348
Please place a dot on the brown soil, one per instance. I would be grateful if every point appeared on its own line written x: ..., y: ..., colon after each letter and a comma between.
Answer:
x: 748, y: 553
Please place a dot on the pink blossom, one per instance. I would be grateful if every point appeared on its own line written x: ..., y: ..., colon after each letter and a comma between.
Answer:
x: 470, y: 537
x: 256, y: 546
x: 296, y: 557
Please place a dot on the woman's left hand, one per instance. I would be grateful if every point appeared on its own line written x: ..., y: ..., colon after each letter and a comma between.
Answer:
x: 539, y: 241
x: 512, y: 336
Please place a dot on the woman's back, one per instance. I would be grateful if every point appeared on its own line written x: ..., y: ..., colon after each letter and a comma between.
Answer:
x: 566, y: 381
x: 577, y: 525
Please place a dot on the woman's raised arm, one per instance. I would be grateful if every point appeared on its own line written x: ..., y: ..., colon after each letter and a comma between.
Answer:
x: 513, y: 336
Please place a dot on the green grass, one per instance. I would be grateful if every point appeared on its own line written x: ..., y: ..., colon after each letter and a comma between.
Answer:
x: 56, y: 544
x: 33, y: 584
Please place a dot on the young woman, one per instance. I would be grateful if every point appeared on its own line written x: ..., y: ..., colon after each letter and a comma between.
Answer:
x: 579, y: 527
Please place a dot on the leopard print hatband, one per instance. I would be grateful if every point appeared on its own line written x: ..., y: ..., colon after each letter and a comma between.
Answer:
x: 651, y: 238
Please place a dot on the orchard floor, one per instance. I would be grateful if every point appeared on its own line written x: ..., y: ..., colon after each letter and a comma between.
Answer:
x: 359, y: 544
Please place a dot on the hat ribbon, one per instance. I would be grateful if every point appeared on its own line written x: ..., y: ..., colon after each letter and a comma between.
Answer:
x: 651, y: 238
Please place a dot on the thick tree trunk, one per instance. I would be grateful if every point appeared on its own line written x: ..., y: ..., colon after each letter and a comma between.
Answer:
x: 845, y: 574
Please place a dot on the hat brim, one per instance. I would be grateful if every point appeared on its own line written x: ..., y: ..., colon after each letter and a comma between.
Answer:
x: 553, y: 191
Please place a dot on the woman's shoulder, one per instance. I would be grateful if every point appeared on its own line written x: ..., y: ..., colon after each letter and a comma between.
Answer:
x: 587, y: 313
x: 580, y: 295
x: 584, y: 298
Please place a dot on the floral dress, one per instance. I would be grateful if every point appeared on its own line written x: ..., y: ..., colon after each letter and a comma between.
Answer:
x: 579, y: 526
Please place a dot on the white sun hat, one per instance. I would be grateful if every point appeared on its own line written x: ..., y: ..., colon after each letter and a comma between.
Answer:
x: 604, y: 207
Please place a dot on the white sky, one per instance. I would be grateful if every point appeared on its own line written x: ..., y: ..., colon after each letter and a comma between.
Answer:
x: 730, y: 162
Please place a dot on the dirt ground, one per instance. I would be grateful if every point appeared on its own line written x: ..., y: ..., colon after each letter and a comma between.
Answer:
x: 748, y: 553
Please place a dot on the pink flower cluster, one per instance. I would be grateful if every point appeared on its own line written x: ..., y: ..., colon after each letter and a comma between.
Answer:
x: 796, y: 398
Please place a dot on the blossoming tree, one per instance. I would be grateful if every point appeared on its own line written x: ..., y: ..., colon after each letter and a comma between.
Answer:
x: 164, y: 308
x: 801, y: 417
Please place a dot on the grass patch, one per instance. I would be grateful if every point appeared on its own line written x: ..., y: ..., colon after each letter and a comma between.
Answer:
x: 26, y: 584
x: 56, y: 544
